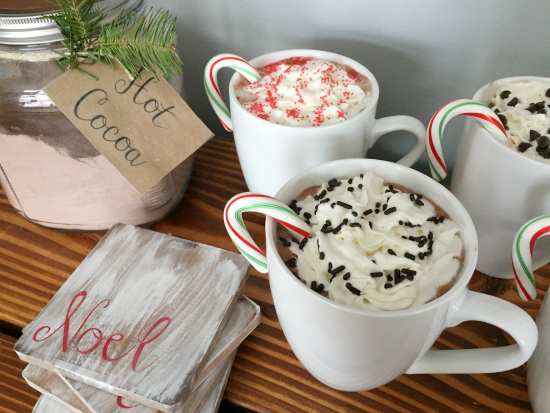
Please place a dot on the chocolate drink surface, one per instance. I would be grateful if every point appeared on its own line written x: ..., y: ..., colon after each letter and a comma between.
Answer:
x: 303, y: 91
x: 523, y: 108
x: 376, y: 245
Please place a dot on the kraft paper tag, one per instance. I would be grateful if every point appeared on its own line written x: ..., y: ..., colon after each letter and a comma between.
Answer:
x: 142, y: 126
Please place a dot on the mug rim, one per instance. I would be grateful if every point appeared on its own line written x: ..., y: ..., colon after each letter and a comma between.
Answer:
x: 309, y: 53
x: 504, y: 80
x: 470, y: 256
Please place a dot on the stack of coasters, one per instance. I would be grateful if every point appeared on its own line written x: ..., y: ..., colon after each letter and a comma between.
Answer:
x: 147, y: 320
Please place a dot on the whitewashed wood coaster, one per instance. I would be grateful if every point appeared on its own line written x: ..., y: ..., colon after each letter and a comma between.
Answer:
x: 50, y: 384
x: 46, y: 404
x: 213, y: 402
x: 244, y: 318
x: 195, y: 403
x: 139, y: 317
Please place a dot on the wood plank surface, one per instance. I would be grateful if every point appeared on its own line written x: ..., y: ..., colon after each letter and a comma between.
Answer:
x: 266, y: 376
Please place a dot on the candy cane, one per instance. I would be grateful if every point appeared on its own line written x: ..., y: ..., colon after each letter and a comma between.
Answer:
x: 249, y: 202
x: 465, y: 107
x: 211, y: 82
x: 522, y: 255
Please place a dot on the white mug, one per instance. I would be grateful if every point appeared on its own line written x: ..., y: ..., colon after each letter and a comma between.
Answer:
x: 353, y: 349
x: 500, y: 188
x: 270, y: 154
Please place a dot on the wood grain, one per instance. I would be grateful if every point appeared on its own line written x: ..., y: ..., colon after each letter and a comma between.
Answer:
x: 266, y: 376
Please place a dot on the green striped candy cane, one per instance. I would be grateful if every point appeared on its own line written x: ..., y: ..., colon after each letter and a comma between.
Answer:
x: 466, y: 107
x: 249, y: 202
x: 522, y: 253
x: 211, y: 82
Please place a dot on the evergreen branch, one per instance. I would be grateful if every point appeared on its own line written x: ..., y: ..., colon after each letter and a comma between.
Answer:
x: 147, y: 41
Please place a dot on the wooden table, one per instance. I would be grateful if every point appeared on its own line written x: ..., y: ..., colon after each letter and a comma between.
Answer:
x: 34, y: 263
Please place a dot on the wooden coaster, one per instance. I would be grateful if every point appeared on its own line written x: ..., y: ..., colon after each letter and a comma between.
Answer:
x: 205, y: 399
x: 139, y: 317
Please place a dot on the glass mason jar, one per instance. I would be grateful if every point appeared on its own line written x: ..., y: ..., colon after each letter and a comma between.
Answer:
x: 51, y: 173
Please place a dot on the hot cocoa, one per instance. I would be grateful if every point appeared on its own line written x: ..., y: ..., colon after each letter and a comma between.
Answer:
x: 376, y: 245
x: 523, y: 108
x: 303, y: 91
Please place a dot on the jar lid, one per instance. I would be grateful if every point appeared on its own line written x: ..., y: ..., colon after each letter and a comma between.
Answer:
x: 19, y: 25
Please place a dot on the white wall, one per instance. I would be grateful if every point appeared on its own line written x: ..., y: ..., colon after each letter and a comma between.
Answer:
x: 423, y: 53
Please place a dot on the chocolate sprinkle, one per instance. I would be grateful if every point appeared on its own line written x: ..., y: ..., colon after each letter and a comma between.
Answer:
x: 343, y: 204
x: 419, y: 202
x: 376, y: 274
x: 322, y: 194
x: 354, y: 213
x: 533, y: 135
x: 389, y: 278
x: 384, y: 207
x: 291, y: 263
x: 408, y: 272
x: 355, y: 225
x: 295, y: 240
x: 378, y: 205
x: 410, y: 277
x: 346, y: 276
x: 411, y: 196
x: 333, y: 205
x: 391, y: 252
x: 431, y: 236
x: 322, y: 256
x: 368, y: 211
x: 505, y: 94
x: 350, y: 181
x: 544, y: 152
x: 337, y: 270
x: 390, y: 210
x: 502, y: 118
x: 421, y: 255
x: 360, y: 186
x: 307, y: 215
x: 362, y: 175
x: 329, y: 267
x: 303, y: 243
x: 352, y: 289
x: 314, y: 285
x: 441, y: 219
x: 531, y: 108
x: 320, y: 288
x: 286, y: 244
x: 539, y: 105
x: 513, y: 102
x: 409, y: 256
x: 282, y: 240
x: 376, y: 210
x: 351, y: 188
x: 399, y: 279
x: 387, y: 285
x: 370, y: 224
x: 339, y: 227
x: 334, y: 182
x: 330, y: 189
x: 548, y: 93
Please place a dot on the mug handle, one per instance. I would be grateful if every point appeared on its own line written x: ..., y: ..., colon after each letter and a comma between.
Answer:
x: 491, y: 310
x: 406, y: 123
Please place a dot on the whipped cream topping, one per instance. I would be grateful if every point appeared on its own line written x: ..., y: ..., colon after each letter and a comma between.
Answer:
x: 303, y: 91
x: 523, y: 108
x: 375, y: 247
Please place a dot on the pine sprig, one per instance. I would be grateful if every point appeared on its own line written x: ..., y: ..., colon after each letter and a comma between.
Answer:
x: 131, y: 41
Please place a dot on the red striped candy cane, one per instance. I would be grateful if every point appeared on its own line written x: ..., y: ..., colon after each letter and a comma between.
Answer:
x: 522, y: 255
x: 211, y: 82
x: 466, y: 107
x: 249, y: 202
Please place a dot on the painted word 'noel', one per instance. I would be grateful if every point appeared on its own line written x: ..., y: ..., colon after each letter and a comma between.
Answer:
x: 161, y: 323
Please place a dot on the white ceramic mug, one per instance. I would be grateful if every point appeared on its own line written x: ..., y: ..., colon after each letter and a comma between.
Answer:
x: 538, y: 366
x: 270, y: 154
x: 352, y: 349
x: 500, y: 188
